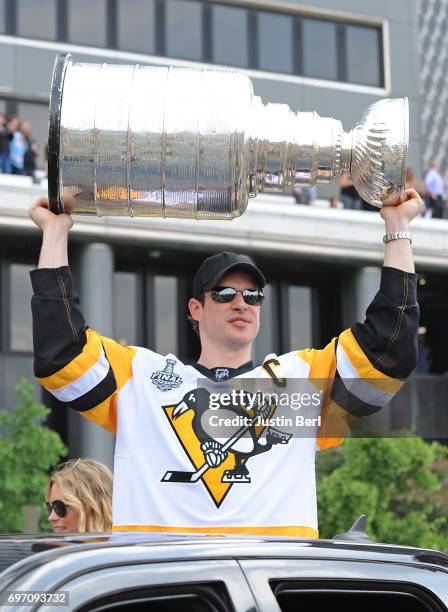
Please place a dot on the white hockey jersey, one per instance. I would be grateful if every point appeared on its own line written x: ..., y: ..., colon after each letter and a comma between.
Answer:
x: 171, y: 473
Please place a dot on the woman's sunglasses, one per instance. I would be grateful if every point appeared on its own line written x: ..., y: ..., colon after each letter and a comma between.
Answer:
x: 59, y: 507
x: 224, y: 295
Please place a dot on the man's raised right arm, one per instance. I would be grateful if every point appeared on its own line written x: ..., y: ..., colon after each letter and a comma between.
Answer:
x: 59, y: 329
x: 55, y: 228
x: 74, y: 363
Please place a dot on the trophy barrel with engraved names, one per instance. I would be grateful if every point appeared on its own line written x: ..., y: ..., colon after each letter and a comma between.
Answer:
x: 137, y: 140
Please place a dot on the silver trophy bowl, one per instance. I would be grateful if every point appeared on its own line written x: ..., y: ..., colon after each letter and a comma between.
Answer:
x: 173, y: 142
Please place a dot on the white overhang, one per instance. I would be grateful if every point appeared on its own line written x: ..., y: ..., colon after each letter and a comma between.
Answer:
x: 272, y: 224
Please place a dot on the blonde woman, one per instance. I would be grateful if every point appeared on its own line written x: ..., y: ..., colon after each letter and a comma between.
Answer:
x: 79, y: 497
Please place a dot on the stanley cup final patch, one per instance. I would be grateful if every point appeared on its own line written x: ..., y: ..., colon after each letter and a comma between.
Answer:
x: 167, y: 379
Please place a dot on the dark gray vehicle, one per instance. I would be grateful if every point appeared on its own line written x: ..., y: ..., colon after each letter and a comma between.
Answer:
x: 200, y: 573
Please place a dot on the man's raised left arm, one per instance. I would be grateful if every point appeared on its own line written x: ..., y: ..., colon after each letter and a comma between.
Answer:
x: 397, y: 214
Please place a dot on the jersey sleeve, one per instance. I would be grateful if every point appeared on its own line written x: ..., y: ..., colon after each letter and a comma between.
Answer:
x: 365, y: 366
x: 77, y: 365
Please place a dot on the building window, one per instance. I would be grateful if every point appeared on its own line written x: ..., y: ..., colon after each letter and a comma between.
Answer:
x: 363, y: 46
x: 126, y: 308
x: 37, y: 116
x: 36, y: 19
x: 300, y: 317
x: 275, y: 42
x: 20, y: 323
x: 87, y: 22
x: 136, y: 25
x: 230, y: 36
x: 2, y: 16
x: 8, y: 107
x: 205, y: 31
x: 165, y: 314
x: 319, y: 49
x: 183, y: 29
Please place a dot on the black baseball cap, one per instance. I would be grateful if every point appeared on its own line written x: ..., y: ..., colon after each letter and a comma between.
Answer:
x: 215, y: 266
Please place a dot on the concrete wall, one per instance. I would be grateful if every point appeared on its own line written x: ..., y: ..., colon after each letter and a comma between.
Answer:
x: 272, y: 224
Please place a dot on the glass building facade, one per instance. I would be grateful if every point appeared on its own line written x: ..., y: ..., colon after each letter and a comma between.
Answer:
x: 227, y: 34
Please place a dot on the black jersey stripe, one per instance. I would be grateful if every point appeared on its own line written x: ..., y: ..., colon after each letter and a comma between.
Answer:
x: 350, y: 402
x: 97, y: 395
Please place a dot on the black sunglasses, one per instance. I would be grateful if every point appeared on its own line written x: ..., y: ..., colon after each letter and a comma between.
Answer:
x: 59, y: 507
x: 224, y: 295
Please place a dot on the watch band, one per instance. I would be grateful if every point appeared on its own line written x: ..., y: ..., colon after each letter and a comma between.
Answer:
x: 397, y: 236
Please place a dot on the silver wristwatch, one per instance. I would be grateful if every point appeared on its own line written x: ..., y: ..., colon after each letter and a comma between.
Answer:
x: 397, y: 236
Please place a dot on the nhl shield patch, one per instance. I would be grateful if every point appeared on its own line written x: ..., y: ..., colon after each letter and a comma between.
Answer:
x: 222, y: 373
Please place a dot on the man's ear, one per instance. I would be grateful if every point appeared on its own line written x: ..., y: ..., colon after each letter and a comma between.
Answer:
x: 195, y: 308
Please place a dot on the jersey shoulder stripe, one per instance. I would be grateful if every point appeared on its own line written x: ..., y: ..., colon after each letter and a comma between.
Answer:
x: 360, y: 362
x: 96, y: 395
x: 78, y: 367
x: 85, y: 383
x: 321, y: 361
x: 91, y: 381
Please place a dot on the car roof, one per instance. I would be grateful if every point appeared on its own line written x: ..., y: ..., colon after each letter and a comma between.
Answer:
x: 35, y: 550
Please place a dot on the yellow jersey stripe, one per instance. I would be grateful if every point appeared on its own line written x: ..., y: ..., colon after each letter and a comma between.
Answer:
x: 322, y: 362
x: 362, y: 365
x: 120, y: 359
x: 88, y: 381
x: 334, y: 426
x: 296, y: 531
x: 78, y: 366
x: 105, y: 414
x: 374, y: 391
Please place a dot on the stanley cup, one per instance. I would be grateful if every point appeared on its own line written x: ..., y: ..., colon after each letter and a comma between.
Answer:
x: 173, y: 142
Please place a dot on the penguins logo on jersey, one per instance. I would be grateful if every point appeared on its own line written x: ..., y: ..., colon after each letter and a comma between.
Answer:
x: 219, y: 458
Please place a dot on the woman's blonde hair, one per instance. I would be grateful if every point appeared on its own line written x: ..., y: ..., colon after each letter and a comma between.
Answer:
x: 86, y: 486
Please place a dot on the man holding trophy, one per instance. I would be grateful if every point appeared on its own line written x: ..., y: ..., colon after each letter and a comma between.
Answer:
x: 172, y: 472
